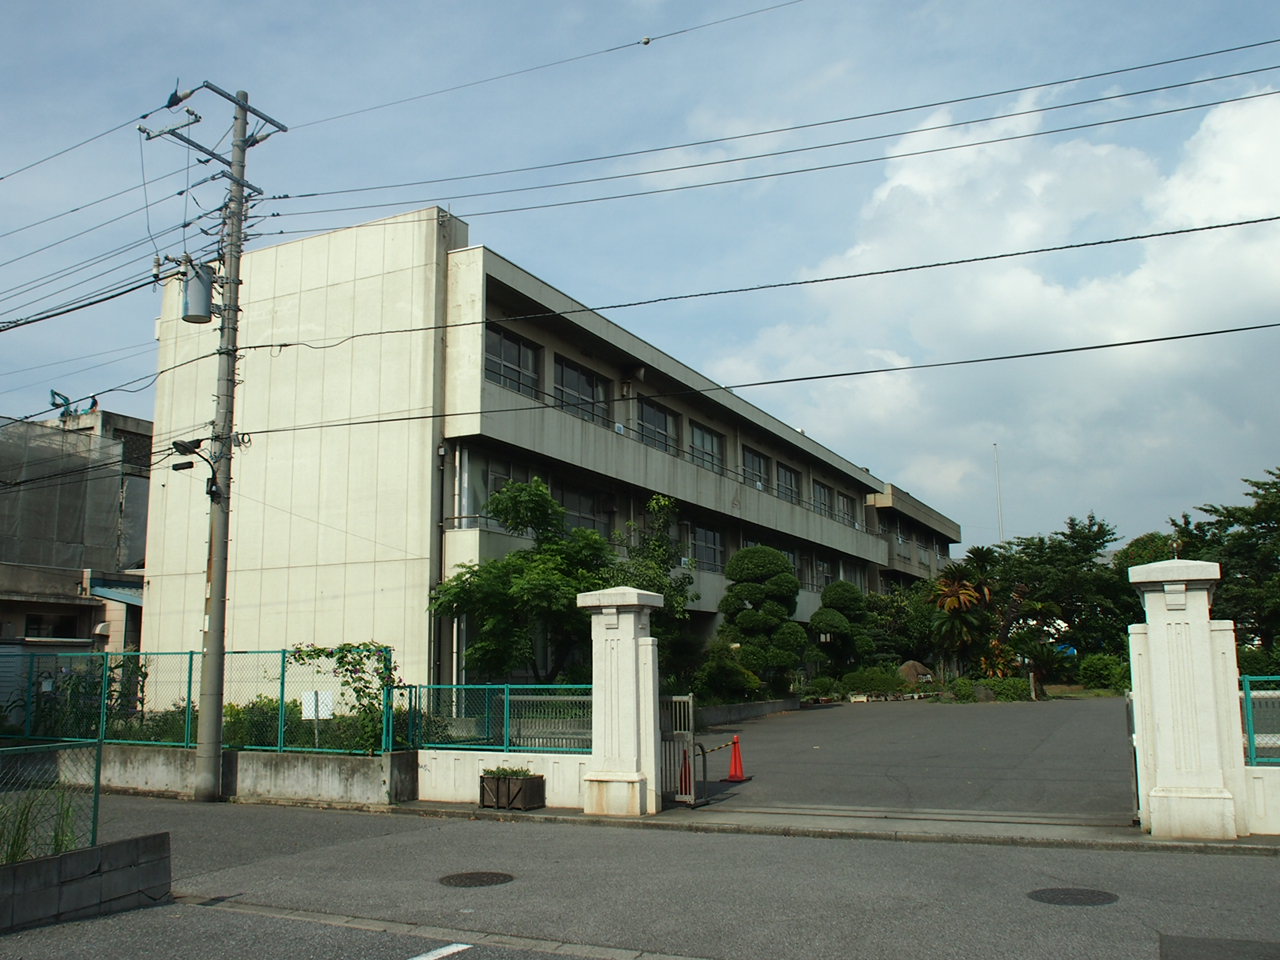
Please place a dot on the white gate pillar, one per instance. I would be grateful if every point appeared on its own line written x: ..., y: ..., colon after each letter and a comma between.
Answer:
x: 1187, y: 730
x: 622, y: 777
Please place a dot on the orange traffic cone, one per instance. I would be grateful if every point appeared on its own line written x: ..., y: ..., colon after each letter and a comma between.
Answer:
x: 735, y: 765
x: 686, y: 777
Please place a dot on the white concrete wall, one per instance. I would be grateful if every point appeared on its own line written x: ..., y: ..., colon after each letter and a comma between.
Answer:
x: 1261, y: 800
x: 331, y: 528
x: 453, y: 776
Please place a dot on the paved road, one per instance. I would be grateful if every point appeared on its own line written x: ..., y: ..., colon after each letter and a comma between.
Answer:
x: 614, y: 892
x: 1064, y: 760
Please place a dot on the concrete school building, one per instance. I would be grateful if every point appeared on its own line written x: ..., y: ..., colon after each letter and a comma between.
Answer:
x: 392, y: 377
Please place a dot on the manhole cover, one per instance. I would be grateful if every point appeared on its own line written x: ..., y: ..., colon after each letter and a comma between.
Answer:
x: 1073, y: 896
x: 479, y: 879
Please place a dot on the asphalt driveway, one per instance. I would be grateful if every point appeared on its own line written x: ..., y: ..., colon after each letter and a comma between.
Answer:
x: 1067, y: 761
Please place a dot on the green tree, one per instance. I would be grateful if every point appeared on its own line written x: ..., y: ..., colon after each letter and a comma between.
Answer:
x: 651, y: 561
x: 1148, y: 548
x: 757, y: 608
x: 841, y: 626
x: 1245, y: 540
x: 1066, y: 568
x: 521, y: 610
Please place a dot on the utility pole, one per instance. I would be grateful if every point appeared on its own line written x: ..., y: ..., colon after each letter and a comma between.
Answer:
x: 208, y: 783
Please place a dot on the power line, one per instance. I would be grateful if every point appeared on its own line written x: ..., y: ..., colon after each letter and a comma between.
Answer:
x: 86, y: 356
x: 783, y: 284
x: 407, y: 418
x: 97, y: 136
x: 751, y: 178
x: 27, y: 321
x: 544, y: 66
x: 91, y: 203
x: 803, y: 126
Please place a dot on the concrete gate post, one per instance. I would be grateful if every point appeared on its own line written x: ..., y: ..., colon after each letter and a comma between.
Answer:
x: 1187, y: 730
x: 622, y: 777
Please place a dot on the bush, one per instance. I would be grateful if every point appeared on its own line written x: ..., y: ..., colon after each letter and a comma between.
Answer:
x: 1256, y: 662
x: 1008, y: 689
x: 963, y: 690
x: 824, y: 686
x: 871, y: 680
x: 1098, y: 671
x: 1120, y: 677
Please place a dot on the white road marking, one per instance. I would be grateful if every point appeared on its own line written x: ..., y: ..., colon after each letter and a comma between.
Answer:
x: 446, y: 951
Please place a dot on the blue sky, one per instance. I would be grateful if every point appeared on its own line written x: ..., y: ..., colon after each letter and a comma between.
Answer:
x: 1133, y: 434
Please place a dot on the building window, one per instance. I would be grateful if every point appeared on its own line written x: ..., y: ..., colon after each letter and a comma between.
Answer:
x: 659, y: 427
x: 62, y: 626
x: 581, y: 392
x: 707, y: 547
x: 511, y: 361
x: 846, y: 511
x: 706, y: 447
x: 582, y: 509
x: 824, y: 571
x: 788, y: 483
x: 822, y: 496
x: 755, y: 468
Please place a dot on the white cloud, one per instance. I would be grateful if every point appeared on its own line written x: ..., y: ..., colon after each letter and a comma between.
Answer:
x: 1135, y: 434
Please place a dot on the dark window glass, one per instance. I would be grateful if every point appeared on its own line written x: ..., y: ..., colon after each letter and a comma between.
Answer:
x: 788, y: 483
x: 658, y: 426
x: 822, y: 495
x: 706, y: 447
x: 582, y: 509
x: 511, y: 361
x: 755, y: 468
x: 845, y: 511
x: 581, y: 392
x: 708, y: 548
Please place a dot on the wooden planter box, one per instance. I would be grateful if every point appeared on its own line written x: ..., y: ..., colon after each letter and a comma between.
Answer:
x: 513, y: 793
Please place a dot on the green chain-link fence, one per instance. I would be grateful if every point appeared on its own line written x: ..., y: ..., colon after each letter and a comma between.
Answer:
x: 48, y: 799
x: 271, y: 701
x: 1260, y: 701
x: 514, y: 717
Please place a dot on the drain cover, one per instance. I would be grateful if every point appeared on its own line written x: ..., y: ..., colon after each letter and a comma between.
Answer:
x: 1073, y: 896
x: 480, y: 879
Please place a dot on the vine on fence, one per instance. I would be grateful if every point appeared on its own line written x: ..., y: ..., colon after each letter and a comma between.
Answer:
x: 364, y: 670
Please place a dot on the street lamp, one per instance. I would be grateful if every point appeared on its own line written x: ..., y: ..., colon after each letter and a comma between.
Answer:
x: 191, y: 448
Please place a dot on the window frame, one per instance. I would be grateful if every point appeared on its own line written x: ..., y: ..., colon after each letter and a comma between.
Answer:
x: 570, y: 399
x: 665, y: 438
x: 791, y: 490
x: 709, y: 459
x: 515, y: 376
x: 759, y: 475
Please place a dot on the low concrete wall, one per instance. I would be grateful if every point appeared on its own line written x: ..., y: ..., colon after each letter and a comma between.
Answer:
x: 1262, y: 805
x: 246, y: 774
x: 737, y: 712
x: 453, y: 776
x: 85, y: 883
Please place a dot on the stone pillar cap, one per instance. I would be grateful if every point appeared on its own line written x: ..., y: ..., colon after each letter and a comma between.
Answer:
x: 620, y: 597
x: 1175, y: 571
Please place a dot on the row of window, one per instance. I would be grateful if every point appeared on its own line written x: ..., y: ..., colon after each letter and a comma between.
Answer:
x: 515, y: 363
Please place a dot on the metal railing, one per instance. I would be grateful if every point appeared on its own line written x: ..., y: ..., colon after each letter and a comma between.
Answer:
x: 1260, y: 702
x: 270, y: 701
x: 515, y: 718
x: 49, y: 795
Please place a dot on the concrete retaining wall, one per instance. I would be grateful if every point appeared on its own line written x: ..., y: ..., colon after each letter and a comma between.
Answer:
x: 85, y: 883
x: 1262, y: 805
x: 453, y: 776
x: 737, y: 712
x: 318, y: 777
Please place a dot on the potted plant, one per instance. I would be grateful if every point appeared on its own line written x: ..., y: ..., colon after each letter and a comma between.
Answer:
x: 512, y: 788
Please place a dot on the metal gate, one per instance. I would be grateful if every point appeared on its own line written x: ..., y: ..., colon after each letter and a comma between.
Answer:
x: 679, y: 751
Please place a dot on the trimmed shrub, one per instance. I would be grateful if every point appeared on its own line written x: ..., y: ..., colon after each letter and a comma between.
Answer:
x: 871, y: 680
x: 1008, y: 689
x: 963, y: 690
x: 1098, y: 670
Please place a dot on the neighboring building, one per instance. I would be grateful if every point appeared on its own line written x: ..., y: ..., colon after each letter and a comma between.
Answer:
x: 73, y: 521
x: 365, y: 458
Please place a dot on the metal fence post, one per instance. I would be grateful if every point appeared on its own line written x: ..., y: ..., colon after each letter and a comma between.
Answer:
x: 102, y: 700
x: 1250, y: 740
x: 280, y: 732
x: 186, y: 729
x: 97, y: 793
x: 506, y: 717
